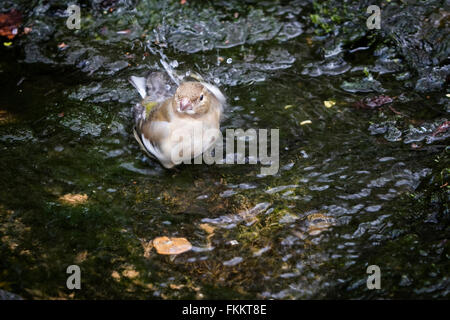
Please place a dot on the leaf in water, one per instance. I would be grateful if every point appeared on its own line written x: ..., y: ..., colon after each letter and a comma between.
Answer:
x: 81, y: 257
x: 6, y: 117
x: 176, y: 287
x: 73, y: 199
x: 442, y: 128
x: 62, y: 45
x: 9, y: 23
x: 207, y: 228
x: 377, y: 101
x: 329, y: 103
x: 165, y: 245
x: 147, y: 245
x: 374, y: 102
x: 130, y: 273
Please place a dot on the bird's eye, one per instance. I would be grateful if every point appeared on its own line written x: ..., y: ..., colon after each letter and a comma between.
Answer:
x: 201, y: 97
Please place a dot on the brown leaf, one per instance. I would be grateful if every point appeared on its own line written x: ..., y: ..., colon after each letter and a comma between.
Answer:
x: 130, y: 273
x: 165, y: 245
x: 373, y: 102
x: 442, y: 128
x: 73, y: 199
x: 10, y: 23
x: 207, y: 228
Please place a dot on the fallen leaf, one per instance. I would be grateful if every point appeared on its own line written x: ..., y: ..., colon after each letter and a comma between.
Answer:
x: 329, y: 103
x: 148, y: 246
x: 305, y: 122
x: 176, y: 287
x: 10, y: 23
x: 73, y: 199
x: 288, y: 106
x: 130, y: 273
x: 207, y: 228
x: 81, y: 257
x: 442, y: 128
x: 115, y: 275
x: 165, y: 245
x: 373, y: 102
x: 6, y: 117
x: 377, y: 101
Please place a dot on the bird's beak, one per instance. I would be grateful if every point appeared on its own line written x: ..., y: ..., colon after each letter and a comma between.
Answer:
x: 185, y: 103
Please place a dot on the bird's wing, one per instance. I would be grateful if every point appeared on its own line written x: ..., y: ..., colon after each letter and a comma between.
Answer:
x: 150, y: 135
x: 139, y: 84
x: 141, y: 143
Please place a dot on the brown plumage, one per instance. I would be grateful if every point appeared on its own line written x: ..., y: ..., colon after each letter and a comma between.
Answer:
x: 180, y: 127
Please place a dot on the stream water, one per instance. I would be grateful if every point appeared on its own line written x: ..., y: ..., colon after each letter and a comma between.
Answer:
x: 346, y: 196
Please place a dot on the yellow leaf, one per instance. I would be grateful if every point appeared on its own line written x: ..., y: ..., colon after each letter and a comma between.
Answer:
x: 305, y: 122
x: 288, y: 106
x: 7, y: 44
x: 329, y: 103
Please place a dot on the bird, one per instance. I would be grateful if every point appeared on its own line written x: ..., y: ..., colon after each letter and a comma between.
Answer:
x: 175, y: 126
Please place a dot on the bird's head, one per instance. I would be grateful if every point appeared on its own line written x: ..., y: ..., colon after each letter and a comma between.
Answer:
x: 193, y: 98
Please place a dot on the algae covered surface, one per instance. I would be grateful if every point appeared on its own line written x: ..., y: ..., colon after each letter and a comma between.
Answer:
x: 363, y: 179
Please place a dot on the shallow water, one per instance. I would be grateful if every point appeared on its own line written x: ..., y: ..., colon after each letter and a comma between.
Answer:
x: 346, y: 195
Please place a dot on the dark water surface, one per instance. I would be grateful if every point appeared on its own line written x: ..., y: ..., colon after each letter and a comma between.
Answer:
x: 348, y: 192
